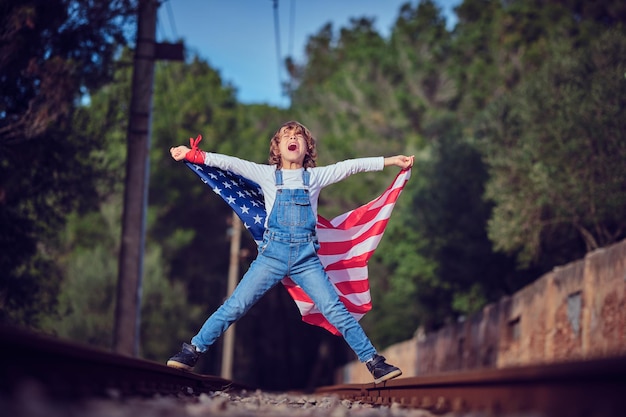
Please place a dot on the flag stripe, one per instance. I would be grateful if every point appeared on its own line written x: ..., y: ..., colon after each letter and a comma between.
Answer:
x: 354, y: 262
x: 305, y: 304
x: 352, y: 298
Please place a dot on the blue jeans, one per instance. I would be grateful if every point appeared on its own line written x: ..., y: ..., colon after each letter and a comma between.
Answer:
x: 276, y: 254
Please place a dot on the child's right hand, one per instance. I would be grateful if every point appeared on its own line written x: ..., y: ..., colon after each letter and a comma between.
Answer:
x: 402, y: 161
x: 179, y: 152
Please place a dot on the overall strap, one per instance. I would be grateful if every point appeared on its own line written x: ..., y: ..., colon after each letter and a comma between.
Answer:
x: 306, y: 177
x: 279, y: 178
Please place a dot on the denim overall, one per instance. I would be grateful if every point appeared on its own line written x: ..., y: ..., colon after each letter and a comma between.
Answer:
x: 289, y: 248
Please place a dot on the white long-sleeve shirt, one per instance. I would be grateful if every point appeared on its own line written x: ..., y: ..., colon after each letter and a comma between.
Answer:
x: 320, y: 177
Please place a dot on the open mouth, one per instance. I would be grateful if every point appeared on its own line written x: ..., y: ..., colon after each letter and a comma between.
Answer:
x: 292, y: 147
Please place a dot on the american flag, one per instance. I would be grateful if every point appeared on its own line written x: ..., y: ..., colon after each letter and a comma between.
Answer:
x: 347, y: 242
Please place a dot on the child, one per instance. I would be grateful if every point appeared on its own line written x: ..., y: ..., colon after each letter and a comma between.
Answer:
x: 291, y: 185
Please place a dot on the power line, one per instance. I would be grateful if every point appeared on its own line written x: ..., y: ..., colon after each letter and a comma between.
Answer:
x: 292, y: 25
x: 172, y: 23
x: 171, y: 18
x: 277, y: 40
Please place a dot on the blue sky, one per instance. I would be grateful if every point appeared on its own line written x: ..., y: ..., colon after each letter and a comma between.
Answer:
x: 237, y: 37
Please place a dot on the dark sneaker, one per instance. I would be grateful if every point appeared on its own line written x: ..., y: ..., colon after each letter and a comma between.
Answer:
x: 185, y: 359
x: 382, y: 371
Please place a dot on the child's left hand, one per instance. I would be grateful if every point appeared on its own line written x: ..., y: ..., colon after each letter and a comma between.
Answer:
x: 179, y: 152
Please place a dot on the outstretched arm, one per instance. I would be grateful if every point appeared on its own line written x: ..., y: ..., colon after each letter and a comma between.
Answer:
x: 250, y: 170
x: 404, y: 162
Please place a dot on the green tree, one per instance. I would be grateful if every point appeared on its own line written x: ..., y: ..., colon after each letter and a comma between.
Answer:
x: 555, y: 148
x: 53, y: 51
x: 421, y: 49
x: 51, y: 54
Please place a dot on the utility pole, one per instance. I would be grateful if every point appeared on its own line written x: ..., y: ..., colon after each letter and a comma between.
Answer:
x: 228, y: 346
x: 130, y: 270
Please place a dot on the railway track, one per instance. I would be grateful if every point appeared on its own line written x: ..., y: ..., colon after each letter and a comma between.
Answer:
x: 69, y: 370
x: 579, y: 389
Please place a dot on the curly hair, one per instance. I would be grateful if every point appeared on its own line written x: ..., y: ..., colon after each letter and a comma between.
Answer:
x: 293, y: 126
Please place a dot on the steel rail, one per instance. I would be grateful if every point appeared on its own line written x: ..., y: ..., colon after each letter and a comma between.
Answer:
x: 71, y: 370
x: 589, y: 388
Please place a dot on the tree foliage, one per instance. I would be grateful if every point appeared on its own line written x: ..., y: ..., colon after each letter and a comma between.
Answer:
x: 51, y: 51
x: 556, y: 151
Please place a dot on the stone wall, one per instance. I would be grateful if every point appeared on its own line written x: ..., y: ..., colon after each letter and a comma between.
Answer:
x: 577, y: 311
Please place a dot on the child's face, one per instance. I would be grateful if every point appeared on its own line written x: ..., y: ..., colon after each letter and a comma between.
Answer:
x: 292, y: 147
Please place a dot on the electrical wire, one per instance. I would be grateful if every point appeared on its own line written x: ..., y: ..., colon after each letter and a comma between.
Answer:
x: 292, y: 25
x: 170, y: 14
x: 277, y: 41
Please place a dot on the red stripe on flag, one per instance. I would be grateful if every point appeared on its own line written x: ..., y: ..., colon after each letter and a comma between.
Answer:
x: 353, y: 287
x: 317, y: 319
x: 299, y: 295
x: 356, y: 308
x: 354, y: 262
